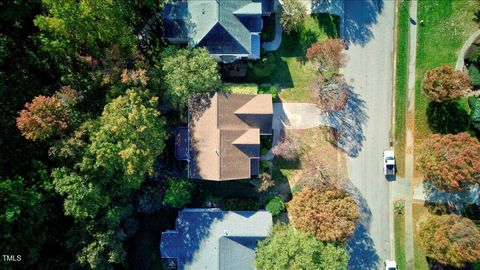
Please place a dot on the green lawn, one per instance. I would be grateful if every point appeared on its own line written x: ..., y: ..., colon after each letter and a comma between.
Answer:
x: 401, y: 85
x: 446, y: 26
x: 420, y: 213
x: 399, y: 229
x: 293, y: 72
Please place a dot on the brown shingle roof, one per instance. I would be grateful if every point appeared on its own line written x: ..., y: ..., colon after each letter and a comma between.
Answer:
x: 222, y: 142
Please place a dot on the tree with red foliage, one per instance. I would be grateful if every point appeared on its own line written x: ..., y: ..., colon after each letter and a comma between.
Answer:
x: 450, y: 240
x: 330, y: 215
x: 450, y: 162
x: 327, y: 55
x: 445, y: 84
x: 43, y: 118
x: 329, y: 94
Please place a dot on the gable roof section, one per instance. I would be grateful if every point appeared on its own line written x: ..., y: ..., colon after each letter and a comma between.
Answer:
x: 215, y: 239
x: 222, y: 143
x: 222, y: 26
x: 237, y: 252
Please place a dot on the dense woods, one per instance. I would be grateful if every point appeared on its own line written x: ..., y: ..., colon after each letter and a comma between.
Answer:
x: 84, y: 133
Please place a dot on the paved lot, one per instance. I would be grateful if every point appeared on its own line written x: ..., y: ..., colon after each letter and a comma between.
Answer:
x: 369, y: 28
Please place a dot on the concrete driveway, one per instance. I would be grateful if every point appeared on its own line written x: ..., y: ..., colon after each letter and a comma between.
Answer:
x: 369, y: 29
x: 297, y: 116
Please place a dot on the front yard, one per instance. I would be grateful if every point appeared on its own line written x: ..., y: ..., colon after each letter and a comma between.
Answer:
x: 446, y: 26
x: 292, y: 72
x: 318, y: 159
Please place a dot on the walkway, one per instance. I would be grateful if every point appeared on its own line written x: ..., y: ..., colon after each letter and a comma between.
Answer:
x: 277, y: 41
x: 461, y: 55
x: 410, y: 126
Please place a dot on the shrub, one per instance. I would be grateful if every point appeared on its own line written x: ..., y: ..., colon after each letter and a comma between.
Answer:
x: 264, y: 182
x: 178, y: 193
x: 265, y: 166
x: 474, y: 74
x: 275, y: 205
x: 265, y: 66
x: 287, y: 148
x: 475, y: 56
x: 272, y: 90
x: 241, y: 204
x: 474, y: 112
x: 243, y: 88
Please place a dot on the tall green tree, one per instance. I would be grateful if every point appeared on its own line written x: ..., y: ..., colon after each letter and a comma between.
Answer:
x: 72, y: 27
x: 289, y: 249
x: 22, y: 219
x: 99, y: 188
x: 188, y: 71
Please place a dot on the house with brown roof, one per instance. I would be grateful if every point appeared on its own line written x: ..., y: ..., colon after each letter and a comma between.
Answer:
x: 222, y: 141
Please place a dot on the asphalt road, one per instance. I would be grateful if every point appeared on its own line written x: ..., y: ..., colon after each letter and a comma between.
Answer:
x: 369, y: 29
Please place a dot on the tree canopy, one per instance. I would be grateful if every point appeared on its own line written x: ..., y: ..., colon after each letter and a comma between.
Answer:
x: 178, y: 194
x: 450, y: 162
x: 43, y: 118
x: 445, y: 84
x: 450, y: 240
x: 293, y: 14
x: 98, y: 189
x: 327, y: 55
x: 82, y: 27
x: 289, y: 249
x: 330, y: 94
x: 188, y: 71
x: 330, y: 215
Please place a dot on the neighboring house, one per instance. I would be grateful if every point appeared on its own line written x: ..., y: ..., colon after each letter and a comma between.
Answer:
x: 230, y: 30
x: 222, y: 141
x: 214, y: 239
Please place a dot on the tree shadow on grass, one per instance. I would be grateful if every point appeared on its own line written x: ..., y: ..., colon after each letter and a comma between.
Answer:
x: 447, y: 117
x: 361, y: 247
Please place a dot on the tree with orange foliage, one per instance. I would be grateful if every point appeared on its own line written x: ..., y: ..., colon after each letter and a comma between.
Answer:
x: 327, y: 55
x: 450, y: 162
x: 450, y: 240
x: 43, y: 118
x: 445, y: 84
x: 330, y: 215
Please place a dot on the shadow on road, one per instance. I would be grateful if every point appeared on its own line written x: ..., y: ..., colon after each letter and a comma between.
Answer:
x: 361, y: 248
x: 349, y: 122
x: 359, y: 17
